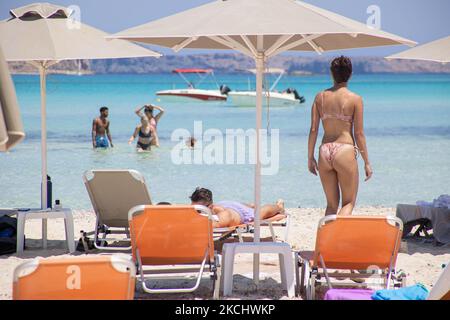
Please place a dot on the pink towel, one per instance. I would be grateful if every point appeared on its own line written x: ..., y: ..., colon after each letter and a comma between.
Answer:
x: 349, y: 294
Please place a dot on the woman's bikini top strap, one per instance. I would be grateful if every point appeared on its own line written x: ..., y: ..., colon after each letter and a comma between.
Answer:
x: 339, y: 116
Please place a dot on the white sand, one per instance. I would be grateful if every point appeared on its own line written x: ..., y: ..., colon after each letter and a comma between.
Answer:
x: 422, y: 262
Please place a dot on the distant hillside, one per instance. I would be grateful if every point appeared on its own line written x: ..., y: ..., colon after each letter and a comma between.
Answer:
x: 233, y: 63
x: 64, y: 67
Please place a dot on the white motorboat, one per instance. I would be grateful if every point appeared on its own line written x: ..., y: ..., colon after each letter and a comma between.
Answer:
x: 192, y: 93
x: 288, y: 97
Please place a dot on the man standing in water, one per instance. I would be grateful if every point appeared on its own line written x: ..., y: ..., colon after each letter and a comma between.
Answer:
x: 100, y: 129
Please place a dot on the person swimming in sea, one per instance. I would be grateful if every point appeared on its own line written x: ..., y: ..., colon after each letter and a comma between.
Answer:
x: 100, y: 130
x: 190, y: 143
x: 145, y: 132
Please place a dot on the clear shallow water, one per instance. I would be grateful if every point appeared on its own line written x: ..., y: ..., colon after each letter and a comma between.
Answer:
x: 407, y: 124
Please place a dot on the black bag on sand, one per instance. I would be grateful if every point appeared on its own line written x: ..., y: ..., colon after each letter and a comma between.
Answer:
x: 85, y: 244
x: 8, y: 235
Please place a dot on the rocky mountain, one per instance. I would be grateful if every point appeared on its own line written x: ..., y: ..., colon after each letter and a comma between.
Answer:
x: 232, y: 63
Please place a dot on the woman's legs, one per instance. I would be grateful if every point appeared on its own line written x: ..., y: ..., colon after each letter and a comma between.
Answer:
x: 329, y: 179
x: 346, y: 167
x: 270, y: 210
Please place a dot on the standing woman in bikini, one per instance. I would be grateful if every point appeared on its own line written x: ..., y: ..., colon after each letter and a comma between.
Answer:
x: 341, y: 112
x: 147, y: 132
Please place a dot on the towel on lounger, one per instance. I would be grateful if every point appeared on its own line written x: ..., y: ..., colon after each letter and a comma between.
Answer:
x: 416, y: 292
x: 349, y: 294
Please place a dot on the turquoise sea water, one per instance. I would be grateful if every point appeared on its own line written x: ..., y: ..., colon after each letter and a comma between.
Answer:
x: 407, y: 124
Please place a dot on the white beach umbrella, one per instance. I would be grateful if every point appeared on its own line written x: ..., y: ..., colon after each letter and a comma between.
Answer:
x: 260, y: 29
x: 44, y: 34
x: 438, y: 51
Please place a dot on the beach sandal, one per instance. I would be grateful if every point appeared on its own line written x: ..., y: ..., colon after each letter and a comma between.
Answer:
x: 399, y: 279
x: 85, y: 244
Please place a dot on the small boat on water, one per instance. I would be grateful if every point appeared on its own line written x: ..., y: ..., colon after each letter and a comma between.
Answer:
x: 192, y: 93
x: 286, y: 98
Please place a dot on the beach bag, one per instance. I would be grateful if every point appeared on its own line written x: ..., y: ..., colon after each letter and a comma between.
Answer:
x: 85, y: 244
x: 8, y: 235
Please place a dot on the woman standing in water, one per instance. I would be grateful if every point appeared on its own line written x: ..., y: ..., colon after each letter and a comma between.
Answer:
x: 146, y: 131
x: 341, y: 112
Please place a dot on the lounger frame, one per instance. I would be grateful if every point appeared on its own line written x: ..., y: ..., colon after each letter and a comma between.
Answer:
x: 240, y: 230
x: 311, y: 276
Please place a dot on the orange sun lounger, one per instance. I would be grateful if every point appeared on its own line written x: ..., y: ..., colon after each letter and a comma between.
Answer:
x: 173, y: 242
x: 368, y: 244
x: 109, y: 277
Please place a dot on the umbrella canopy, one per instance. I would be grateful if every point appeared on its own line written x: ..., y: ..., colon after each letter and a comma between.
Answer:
x: 438, y: 50
x: 44, y: 34
x: 259, y: 29
x: 285, y: 25
x: 11, y: 127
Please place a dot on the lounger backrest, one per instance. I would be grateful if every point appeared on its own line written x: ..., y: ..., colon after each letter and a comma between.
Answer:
x: 169, y: 234
x: 114, y: 192
x: 358, y: 242
x: 80, y: 278
x: 441, y: 289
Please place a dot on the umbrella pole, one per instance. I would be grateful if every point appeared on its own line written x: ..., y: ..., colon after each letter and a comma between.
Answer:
x: 259, y: 83
x: 42, y: 73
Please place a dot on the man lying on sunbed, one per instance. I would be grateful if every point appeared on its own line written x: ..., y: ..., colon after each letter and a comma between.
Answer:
x: 233, y: 213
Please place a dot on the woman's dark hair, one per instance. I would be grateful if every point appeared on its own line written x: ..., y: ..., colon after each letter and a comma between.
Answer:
x: 202, y: 195
x: 149, y: 109
x: 341, y: 69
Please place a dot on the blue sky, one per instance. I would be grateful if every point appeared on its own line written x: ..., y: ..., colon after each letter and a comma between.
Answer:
x: 419, y: 20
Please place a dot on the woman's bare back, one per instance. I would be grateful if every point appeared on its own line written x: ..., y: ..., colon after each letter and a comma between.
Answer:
x: 336, y: 108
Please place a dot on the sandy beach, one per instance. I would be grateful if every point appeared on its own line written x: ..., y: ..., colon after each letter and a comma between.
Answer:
x: 422, y: 262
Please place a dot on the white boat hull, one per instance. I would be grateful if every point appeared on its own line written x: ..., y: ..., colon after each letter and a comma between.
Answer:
x: 248, y: 99
x: 184, y: 95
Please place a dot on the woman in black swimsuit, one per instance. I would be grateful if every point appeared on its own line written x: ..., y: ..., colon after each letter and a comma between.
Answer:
x: 145, y: 132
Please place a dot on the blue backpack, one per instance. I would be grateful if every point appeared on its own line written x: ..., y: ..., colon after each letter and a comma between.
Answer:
x: 8, y: 235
